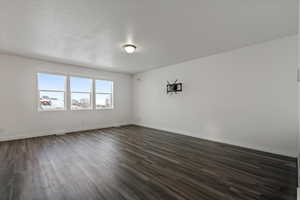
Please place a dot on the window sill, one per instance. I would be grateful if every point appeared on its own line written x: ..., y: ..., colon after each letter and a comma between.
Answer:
x: 104, y: 108
x: 88, y: 109
x: 55, y: 110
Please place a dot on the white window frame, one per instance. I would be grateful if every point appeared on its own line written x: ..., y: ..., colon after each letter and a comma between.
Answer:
x: 68, y: 92
x: 39, y: 92
x: 91, y: 93
x: 112, y: 94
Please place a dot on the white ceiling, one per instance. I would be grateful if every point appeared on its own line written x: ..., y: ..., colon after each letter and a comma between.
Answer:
x: 91, y: 32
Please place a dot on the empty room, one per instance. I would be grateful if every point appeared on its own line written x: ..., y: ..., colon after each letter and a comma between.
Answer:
x: 149, y: 100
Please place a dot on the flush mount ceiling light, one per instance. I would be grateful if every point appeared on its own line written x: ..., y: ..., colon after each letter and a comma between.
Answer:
x: 129, y: 48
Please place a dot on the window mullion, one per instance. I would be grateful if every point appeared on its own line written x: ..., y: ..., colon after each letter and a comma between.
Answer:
x: 94, y: 94
x: 68, y: 94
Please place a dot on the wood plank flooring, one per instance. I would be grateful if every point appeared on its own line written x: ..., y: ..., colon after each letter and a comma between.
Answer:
x: 136, y: 163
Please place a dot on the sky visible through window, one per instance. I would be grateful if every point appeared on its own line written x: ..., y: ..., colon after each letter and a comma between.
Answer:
x: 55, y: 100
x: 80, y: 84
x: 103, y: 86
x: 51, y: 82
x: 57, y: 82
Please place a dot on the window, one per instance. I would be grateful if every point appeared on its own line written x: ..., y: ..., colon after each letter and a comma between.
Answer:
x: 104, y: 94
x: 52, y: 92
x: 81, y: 93
x: 59, y: 92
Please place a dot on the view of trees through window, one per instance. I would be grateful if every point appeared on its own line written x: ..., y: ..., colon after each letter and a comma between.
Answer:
x: 83, y: 92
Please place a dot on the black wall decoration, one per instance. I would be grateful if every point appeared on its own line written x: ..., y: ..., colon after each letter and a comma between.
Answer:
x: 174, y: 87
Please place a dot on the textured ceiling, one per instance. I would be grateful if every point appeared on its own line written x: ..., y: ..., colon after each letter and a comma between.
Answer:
x: 91, y: 32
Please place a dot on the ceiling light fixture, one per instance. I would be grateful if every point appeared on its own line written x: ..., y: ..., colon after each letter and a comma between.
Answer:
x: 129, y: 48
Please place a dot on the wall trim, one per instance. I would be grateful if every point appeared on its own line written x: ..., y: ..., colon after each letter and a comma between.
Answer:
x: 180, y: 132
x: 55, y: 132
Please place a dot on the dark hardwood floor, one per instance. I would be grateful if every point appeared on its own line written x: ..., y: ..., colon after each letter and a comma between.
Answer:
x: 136, y: 163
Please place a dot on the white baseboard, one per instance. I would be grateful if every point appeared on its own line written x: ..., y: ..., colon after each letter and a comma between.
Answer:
x: 54, y: 132
x: 19, y: 137
x: 182, y: 132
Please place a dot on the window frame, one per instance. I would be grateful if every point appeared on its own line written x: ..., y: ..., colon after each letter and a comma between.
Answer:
x: 68, y: 92
x: 91, y: 93
x: 111, y: 94
x: 65, y: 91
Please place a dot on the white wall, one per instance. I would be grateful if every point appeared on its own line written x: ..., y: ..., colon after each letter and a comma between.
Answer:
x: 298, y: 64
x: 18, y: 106
x: 246, y: 97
